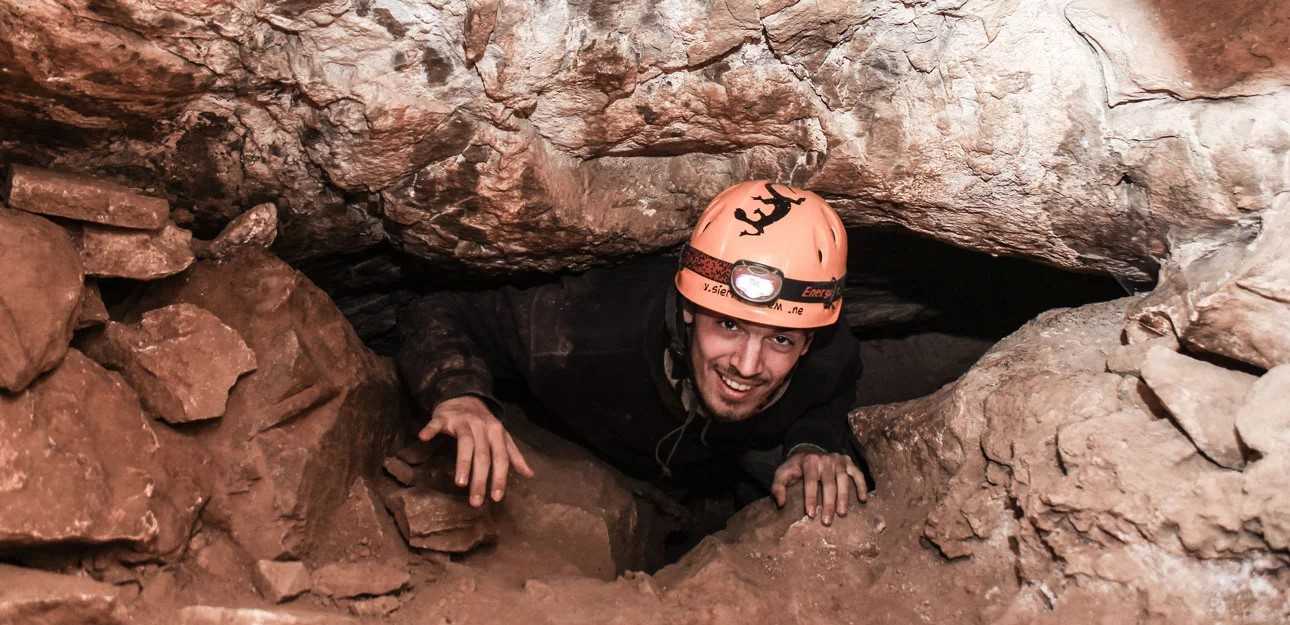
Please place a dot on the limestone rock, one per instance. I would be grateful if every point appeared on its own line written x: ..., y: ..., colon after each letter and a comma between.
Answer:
x: 212, y: 615
x: 360, y: 529
x: 434, y: 520
x: 135, y: 254
x: 93, y: 310
x: 1128, y: 359
x: 41, y: 598
x: 358, y: 579
x: 400, y: 470
x: 377, y: 606
x: 1203, y: 398
x: 81, y: 464
x: 317, y: 412
x: 281, y: 581
x: 180, y: 358
x: 257, y: 227
x: 83, y: 198
x: 40, y: 293
x: 1263, y: 420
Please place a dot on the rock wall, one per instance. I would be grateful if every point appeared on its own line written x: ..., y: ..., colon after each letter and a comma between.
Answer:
x: 513, y: 135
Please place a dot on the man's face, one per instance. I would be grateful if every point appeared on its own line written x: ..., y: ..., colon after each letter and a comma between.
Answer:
x: 739, y: 365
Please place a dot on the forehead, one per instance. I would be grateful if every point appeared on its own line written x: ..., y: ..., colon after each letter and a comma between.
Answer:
x: 751, y: 326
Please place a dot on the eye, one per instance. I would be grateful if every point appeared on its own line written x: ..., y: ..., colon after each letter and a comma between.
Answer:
x: 728, y: 325
x: 783, y: 340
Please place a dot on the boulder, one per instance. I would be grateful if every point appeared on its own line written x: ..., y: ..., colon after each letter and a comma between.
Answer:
x: 93, y: 311
x: 40, y: 295
x: 359, y: 579
x: 29, y: 596
x: 281, y: 581
x: 1263, y: 419
x: 1202, y: 398
x: 181, y: 359
x: 81, y: 464
x: 135, y: 254
x: 83, y: 198
x: 212, y: 615
x: 435, y: 520
x: 256, y: 228
x: 317, y: 412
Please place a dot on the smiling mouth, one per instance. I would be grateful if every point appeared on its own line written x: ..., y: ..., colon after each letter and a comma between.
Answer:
x: 733, y: 385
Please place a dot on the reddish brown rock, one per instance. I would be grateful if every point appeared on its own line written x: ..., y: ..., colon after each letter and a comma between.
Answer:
x: 32, y: 597
x: 376, y: 606
x: 83, y: 198
x: 360, y: 529
x: 358, y: 579
x: 256, y: 228
x: 1263, y: 420
x: 317, y: 412
x: 80, y: 463
x: 430, y: 519
x: 93, y: 311
x: 135, y: 254
x: 212, y: 615
x: 400, y: 470
x: 180, y: 358
x: 40, y: 294
x: 1203, y: 398
x: 281, y: 581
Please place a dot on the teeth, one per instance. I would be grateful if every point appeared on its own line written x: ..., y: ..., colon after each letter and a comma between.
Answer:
x: 735, y: 385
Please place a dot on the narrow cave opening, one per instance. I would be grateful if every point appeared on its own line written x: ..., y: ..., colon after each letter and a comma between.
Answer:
x: 923, y: 310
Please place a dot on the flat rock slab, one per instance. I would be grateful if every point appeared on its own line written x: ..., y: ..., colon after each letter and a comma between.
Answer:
x: 211, y: 615
x: 93, y: 311
x: 135, y: 254
x: 29, y: 596
x: 1203, y: 398
x: 181, y: 358
x: 281, y: 581
x: 40, y: 294
x: 346, y: 580
x: 1263, y: 422
x: 83, y: 198
x: 256, y: 228
x: 430, y: 519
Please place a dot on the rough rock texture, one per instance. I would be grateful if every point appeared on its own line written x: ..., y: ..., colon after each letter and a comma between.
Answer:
x: 257, y: 227
x: 1228, y: 294
x: 212, y: 615
x: 513, y: 135
x: 40, y: 296
x: 181, y: 359
x: 357, y: 579
x: 439, y: 521
x: 93, y: 311
x: 83, y: 198
x: 135, y: 254
x: 314, y: 415
x: 32, y: 597
x: 1203, y: 399
x: 1263, y: 421
x: 281, y: 581
x: 81, y: 464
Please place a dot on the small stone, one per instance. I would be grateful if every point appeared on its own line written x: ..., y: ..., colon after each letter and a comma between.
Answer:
x: 1128, y: 359
x: 256, y: 228
x: 377, y: 606
x: 281, y: 581
x: 400, y: 470
x: 40, y: 292
x: 40, y: 597
x: 357, y: 579
x: 1263, y: 421
x: 83, y: 198
x: 211, y: 615
x: 135, y: 254
x: 439, y: 521
x: 180, y: 358
x: 1203, y: 398
x: 93, y: 311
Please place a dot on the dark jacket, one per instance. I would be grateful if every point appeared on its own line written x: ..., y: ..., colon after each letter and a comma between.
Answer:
x: 590, y: 349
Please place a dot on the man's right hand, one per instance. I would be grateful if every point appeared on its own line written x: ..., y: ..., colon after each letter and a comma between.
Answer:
x: 482, y: 444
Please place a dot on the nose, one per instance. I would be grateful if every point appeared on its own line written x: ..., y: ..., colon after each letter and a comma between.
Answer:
x: 747, y: 358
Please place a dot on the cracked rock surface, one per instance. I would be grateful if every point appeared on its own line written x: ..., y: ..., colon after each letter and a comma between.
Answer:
x: 508, y: 135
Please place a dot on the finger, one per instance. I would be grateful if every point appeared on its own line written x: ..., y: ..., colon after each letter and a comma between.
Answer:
x: 810, y: 484
x: 465, y: 451
x: 857, y: 476
x: 517, y: 458
x: 431, y: 429
x: 479, y: 469
x: 829, y: 484
x: 843, y: 480
x: 785, y: 475
x: 501, y: 460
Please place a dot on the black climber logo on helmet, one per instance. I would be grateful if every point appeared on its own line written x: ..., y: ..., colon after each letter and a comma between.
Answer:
x: 781, y: 205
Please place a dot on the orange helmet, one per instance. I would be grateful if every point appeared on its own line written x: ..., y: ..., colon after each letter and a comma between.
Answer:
x: 767, y: 253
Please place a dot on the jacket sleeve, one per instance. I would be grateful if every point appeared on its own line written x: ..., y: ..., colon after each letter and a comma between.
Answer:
x: 826, y: 426
x: 456, y: 343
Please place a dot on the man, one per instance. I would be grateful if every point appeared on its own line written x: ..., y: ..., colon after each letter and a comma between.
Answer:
x: 664, y: 371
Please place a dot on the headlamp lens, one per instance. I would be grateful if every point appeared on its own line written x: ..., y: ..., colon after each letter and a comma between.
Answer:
x: 754, y: 282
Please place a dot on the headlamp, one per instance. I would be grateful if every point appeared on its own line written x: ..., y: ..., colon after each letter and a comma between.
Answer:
x: 755, y: 282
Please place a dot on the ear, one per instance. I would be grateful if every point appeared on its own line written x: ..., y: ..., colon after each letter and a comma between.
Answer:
x: 687, y: 312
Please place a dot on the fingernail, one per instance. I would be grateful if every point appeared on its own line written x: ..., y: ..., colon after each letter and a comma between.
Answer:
x: 476, y: 500
x: 497, y: 495
x: 810, y: 513
x: 828, y: 521
x: 461, y: 481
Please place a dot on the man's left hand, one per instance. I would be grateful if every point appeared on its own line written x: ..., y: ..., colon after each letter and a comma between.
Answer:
x: 827, y: 481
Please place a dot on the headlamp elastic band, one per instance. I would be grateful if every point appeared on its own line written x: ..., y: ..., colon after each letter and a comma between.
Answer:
x: 719, y: 271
